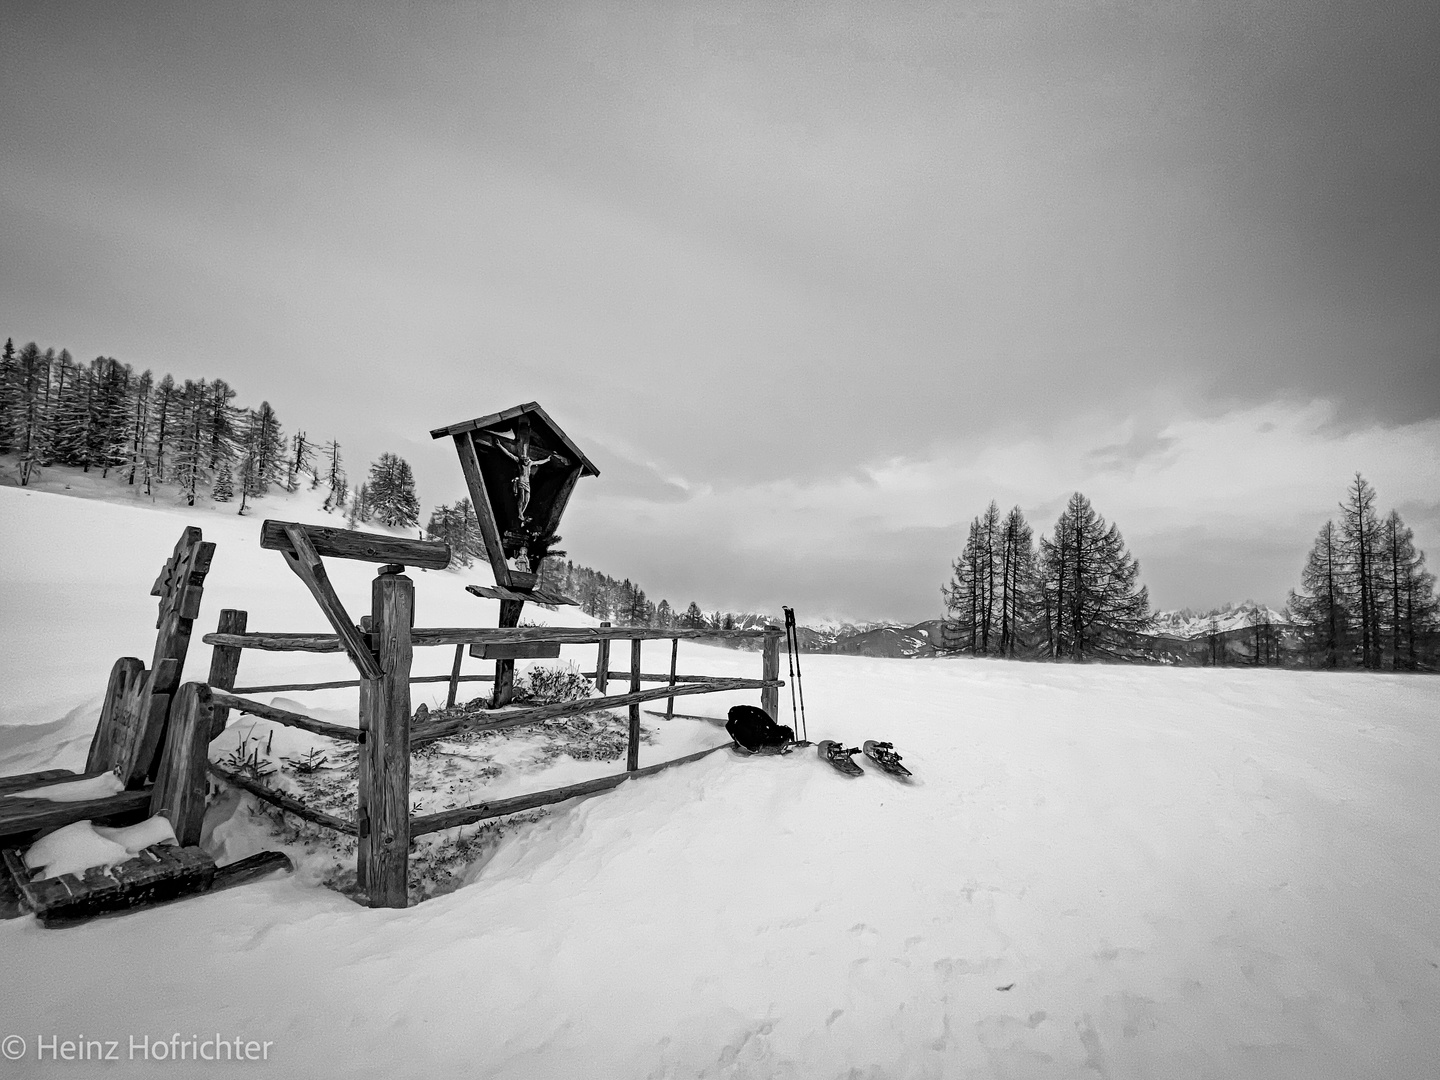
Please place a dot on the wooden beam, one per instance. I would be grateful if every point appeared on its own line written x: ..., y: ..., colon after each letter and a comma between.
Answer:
x: 317, y: 643
x: 632, y: 752
x: 251, y: 868
x: 674, y: 656
x: 664, y: 677
x: 467, y: 815
x: 454, y: 677
x: 37, y: 779
x: 350, y: 544
x: 520, y: 650
x: 484, y: 512
x: 505, y: 667
x: 536, y: 595
x: 21, y: 820
x: 304, y: 560
x: 770, y: 675
x: 225, y: 664
x: 285, y: 802
x: 385, y: 718
x: 179, y: 791
x: 602, y: 662
x: 127, y: 680
x: 567, y: 635
x: 343, y: 684
x: 285, y: 716
x: 442, y: 729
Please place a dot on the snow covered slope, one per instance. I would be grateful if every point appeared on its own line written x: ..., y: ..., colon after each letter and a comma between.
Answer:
x: 1108, y: 871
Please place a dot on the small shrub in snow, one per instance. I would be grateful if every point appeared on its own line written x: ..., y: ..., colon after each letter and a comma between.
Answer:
x: 550, y: 685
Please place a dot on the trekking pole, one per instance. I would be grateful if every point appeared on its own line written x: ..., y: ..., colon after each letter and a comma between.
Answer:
x: 799, y: 682
x: 790, y: 657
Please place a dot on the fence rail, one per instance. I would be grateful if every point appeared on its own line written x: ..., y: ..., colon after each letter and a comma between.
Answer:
x: 382, y: 649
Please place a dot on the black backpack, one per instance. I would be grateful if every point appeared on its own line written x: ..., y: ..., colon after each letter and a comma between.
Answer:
x: 753, y: 730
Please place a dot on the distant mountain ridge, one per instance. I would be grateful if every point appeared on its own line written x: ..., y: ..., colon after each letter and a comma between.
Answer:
x: 1188, y: 625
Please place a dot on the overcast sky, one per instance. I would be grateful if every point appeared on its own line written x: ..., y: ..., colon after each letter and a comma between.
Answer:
x: 809, y: 283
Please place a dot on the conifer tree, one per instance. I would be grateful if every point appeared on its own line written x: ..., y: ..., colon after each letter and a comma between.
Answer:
x: 223, y: 426
x: 1017, y: 584
x: 664, y: 617
x: 1089, y: 581
x: 31, y: 379
x: 191, y: 452
x: 1321, y: 613
x: 694, y: 618
x: 139, y: 452
x: 269, y: 448
x: 8, y: 396
x: 162, y: 422
x: 1360, y: 537
x: 392, y: 491
x: 224, y: 489
x: 302, y: 459
x: 335, y: 477
x: 361, y: 509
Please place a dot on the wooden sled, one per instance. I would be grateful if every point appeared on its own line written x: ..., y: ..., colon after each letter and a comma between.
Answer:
x: 155, y: 875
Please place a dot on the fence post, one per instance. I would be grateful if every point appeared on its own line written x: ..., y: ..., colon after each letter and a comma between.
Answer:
x: 632, y: 758
x: 384, y: 855
x: 225, y: 664
x: 770, y: 669
x: 602, y: 664
x: 179, y: 791
x: 505, y: 669
x: 674, y: 654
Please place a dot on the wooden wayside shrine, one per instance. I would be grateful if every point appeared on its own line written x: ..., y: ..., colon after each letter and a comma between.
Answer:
x: 521, y: 469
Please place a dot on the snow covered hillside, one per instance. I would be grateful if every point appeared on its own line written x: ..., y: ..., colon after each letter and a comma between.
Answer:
x: 1108, y: 871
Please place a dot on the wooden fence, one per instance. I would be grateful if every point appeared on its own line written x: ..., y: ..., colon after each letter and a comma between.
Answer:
x: 382, y: 649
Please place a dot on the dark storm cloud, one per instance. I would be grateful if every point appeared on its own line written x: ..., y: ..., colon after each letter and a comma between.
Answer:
x: 768, y: 243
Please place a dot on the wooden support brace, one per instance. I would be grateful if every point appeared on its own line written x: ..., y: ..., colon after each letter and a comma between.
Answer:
x: 385, y: 720
x: 307, y: 566
x: 225, y: 664
x: 179, y: 791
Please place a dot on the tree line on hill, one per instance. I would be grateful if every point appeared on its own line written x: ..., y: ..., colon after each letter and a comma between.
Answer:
x: 1366, y: 598
x: 105, y: 417
x: 1075, y: 596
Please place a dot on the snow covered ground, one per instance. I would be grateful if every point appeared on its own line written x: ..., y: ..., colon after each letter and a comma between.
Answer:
x: 1107, y: 871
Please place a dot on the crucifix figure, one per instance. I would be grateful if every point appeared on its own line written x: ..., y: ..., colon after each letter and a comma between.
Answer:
x: 527, y: 465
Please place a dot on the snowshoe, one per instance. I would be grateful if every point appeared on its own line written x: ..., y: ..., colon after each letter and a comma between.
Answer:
x: 883, y: 754
x: 839, y: 758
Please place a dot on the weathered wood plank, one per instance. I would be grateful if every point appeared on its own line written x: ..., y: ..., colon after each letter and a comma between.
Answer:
x: 566, y: 635
x: 251, y: 868
x: 304, y: 560
x: 467, y: 815
x: 464, y: 635
x: 484, y: 511
x: 36, y: 779
x: 520, y: 650
x: 632, y: 752
x: 317, y: 643
x: 343, y: 684
x: 288, y: 803
x: 157, y: 875
x: 284, y: 716
x: 385, y: 717
x: 770, y: 675
x: 179, y: 791
x: 441, y: 729
x: 538, y: 595
x: 364, y: 546
x: 454, y: 676
x: 674, y: 657
x: 22, y: 820
x: 225, y: 664
x: 127, y: 680
x: 602, y: 662
x: 664, y: 677
x: 504, y: 690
